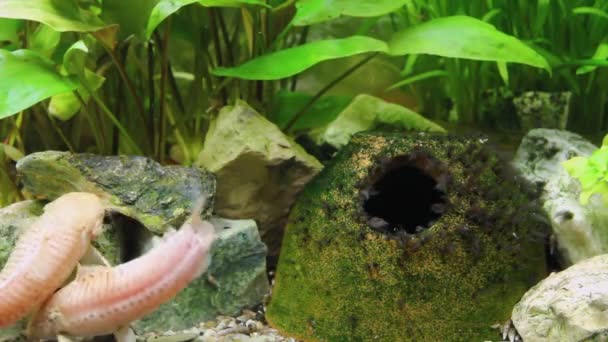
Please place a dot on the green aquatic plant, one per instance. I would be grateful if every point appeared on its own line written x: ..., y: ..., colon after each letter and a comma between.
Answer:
x: 592, y: 173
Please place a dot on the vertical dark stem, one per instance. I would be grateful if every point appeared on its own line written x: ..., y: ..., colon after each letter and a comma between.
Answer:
x: 163, y: 82
x: 302, y: 40
x: 325, y: 89
x: 151, y: 95
x: 130, y: 86
x: 218, y: 46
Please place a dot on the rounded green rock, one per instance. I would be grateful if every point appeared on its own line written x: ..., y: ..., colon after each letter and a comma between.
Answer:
x: 451, y: 279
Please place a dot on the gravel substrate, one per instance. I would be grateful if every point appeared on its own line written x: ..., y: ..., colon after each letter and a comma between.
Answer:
x: 249, y: 326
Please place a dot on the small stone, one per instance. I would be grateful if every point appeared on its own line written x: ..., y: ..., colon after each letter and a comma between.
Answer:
x: 181, y: 337
x: 239, y: 338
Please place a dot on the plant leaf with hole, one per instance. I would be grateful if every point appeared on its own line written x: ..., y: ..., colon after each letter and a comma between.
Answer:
x: 27, y: 78
x: 292, y: 61
x: 464, y: 37
x: 316, y: 11
x: 61, y: 15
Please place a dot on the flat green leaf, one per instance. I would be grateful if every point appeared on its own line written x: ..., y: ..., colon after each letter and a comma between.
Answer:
x: 315, y: 11
x: 44, y: 40
x: 601, y: 53
x: 591, y: 11
x: 12, y: 152
x: 367, y: 112
x: 605, y: 141
x: 233, y: 3
x: 322, y: 111
x: 419, y: 77
x: 74, y: 58
x: 503, y: 70
x: 131, y: 15
x: 61, y: 15
x: 9, y: 33
x: 292, y: 61
x: 464, y: 37
x: 162, y: 10
x: 65, y: 106
x: 27, y: 78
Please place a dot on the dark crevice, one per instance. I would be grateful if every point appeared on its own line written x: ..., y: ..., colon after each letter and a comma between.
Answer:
x: 405, y: 194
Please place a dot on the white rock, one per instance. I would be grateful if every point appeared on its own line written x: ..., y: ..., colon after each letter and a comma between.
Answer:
x: 571, y: 305
x: 579, y: 229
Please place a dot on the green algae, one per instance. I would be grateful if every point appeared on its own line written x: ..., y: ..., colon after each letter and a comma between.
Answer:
x: 137, y: 187
x: 338, y: 279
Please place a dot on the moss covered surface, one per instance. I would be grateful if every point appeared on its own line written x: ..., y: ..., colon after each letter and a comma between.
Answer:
x: 138, y: 187
x: 338, y: 279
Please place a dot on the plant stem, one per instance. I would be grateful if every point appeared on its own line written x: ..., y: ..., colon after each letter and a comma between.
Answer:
x: 325, y: 89
x: 151, y: 94
x: 90, y: 119
x: 136, y: 98
x: 164, y: 63
x: 115, y: 121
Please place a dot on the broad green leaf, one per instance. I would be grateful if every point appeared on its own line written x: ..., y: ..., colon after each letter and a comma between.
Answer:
x: 9, y: 33
x: 605, y: 141
x: 61, y: 15
x: 590, y: 10
x: 366, y: 112
x: 27, y: 78
x: 601, y: 53
x: 292, y: 61
x: 65, y: 106
x: 44, y: 40
x: 164, y: 8
x: 322, y: 112
x: 419, y: 77
x: 131, y: 16
x: 233, y: 3
x: 464, y: 37
x: 315, y: 11
x: 74, y: 58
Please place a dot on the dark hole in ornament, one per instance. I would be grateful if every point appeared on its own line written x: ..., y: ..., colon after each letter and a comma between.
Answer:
x: 406, y: 194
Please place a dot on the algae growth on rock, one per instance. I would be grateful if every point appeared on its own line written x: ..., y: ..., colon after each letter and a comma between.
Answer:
x: 415, y: 237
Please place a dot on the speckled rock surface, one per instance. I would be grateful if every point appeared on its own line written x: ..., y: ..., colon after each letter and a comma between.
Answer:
x: 407, y: 237
x: 567, y: 306
x: 259, y: 169
x: 580, y: 230
x: 236, y: 279
x: 542, y: 109
x: 157, y: 196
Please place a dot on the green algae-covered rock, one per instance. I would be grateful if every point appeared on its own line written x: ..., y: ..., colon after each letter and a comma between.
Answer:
x: 236, y: 279
x: 417, y: 238
x: 259, y: 169
x: 138, y: 187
